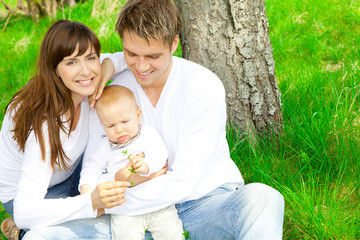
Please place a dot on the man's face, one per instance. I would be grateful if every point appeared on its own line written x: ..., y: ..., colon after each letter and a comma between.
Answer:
x: 150, y: 62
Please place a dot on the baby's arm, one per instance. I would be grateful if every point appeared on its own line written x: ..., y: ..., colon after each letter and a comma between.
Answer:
x: 125, y: 175
x: 92, y: 168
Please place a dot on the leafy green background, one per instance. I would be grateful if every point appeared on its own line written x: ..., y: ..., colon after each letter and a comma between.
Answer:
x: 314, y: 164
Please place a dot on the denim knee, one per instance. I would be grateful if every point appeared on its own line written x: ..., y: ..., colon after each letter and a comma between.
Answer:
x: 265, y: 196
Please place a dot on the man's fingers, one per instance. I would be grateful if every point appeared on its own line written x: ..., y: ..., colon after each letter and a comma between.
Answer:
x: 100, y: 90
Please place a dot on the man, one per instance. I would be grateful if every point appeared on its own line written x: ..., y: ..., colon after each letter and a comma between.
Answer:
x: 185, y: 102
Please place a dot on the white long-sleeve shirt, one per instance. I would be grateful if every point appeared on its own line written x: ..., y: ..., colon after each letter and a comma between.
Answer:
x: 25, y: 177
x: 107, y: 159
x: 191, y: 118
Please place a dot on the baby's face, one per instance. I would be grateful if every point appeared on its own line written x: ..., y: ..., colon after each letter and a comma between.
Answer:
x: 120, y: 121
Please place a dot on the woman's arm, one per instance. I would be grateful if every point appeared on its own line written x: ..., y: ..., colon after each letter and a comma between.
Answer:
x: 32, y: 210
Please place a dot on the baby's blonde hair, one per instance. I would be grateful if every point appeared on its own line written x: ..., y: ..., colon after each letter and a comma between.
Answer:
x: 115, y: 94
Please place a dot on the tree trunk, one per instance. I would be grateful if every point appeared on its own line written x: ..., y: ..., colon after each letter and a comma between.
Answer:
x: 40, y: 8
x: 70, y: 3
x: 231, y: 38
x: 33, y: 9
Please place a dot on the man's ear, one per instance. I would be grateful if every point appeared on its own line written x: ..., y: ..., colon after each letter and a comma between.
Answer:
x: 139, y: 115
x: 175, y: 44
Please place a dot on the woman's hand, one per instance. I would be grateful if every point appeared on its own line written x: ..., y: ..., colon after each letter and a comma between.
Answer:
x: 109, y: 194
x: 107, y: 70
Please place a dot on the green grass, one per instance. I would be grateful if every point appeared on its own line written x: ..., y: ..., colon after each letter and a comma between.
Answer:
x: 314, y: 163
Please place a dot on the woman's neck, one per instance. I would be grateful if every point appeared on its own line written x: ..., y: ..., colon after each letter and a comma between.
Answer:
x: 77, y: 106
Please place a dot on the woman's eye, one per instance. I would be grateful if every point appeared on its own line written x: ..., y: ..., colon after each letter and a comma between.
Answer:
x: 70, y: 63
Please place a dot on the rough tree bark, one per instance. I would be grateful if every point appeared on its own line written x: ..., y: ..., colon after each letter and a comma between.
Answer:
x: 39, y: 8
x: 231, y: 38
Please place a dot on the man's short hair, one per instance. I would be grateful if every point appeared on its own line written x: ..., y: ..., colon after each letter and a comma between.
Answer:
x: 157, y: 19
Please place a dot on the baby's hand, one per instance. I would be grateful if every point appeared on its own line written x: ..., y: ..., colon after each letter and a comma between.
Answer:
x: 138, y: 164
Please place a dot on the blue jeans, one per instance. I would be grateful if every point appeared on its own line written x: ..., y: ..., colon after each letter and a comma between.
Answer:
x: 91, y: 228
x: 254, y: 211
x: 94, y: 228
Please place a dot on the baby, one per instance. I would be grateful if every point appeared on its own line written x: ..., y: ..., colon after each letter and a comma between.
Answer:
x: 127, y: 137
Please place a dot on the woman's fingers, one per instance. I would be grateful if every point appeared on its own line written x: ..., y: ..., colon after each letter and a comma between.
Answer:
x: 109, y: 194
x: 116, y: 202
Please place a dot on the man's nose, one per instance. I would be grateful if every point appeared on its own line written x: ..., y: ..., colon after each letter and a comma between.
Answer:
x: 142, y: 64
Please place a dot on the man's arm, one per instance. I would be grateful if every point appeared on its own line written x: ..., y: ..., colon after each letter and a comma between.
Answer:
x: 110, y: 63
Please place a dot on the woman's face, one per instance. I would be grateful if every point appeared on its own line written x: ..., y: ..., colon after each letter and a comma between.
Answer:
x: 80, y: 74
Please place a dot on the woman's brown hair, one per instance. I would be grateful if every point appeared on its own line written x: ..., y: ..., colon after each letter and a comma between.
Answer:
x: 45, y: 98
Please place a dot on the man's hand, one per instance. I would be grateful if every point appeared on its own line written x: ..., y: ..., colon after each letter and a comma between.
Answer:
x: 107, y: 70
x: 160, y: 172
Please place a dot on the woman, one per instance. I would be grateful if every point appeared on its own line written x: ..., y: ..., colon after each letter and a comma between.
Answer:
x: 43, y: 136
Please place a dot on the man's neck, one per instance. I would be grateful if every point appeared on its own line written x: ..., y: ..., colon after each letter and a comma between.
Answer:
x: 153, y: 93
